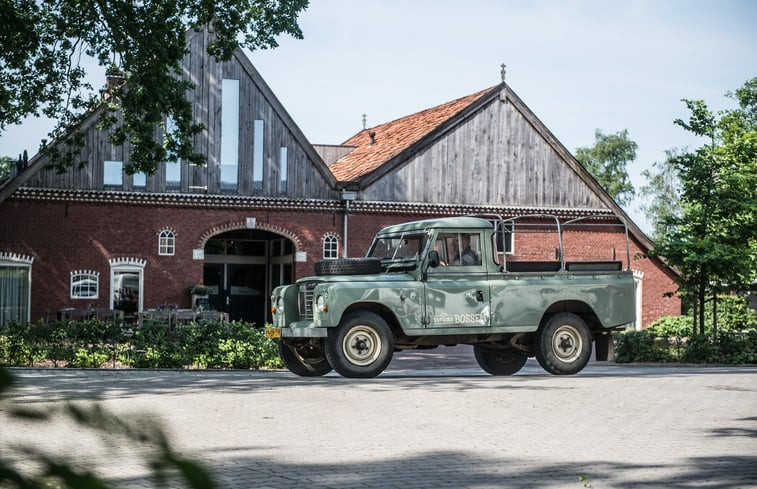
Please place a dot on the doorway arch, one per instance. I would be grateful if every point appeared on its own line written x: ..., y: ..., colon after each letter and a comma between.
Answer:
x: 242, y: 266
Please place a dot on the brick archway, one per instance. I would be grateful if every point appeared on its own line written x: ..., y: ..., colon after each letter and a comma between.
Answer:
x: 237, y: 225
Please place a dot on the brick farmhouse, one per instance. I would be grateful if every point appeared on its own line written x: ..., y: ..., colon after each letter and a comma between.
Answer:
x: 269, y: 204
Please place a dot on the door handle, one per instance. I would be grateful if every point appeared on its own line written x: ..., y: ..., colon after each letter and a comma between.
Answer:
x: 480, y: 296
x: 228, y: 300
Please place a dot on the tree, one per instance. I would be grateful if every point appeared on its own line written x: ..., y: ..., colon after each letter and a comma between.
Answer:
x: 713, y: 243
x: 607, y: 160
x: 663, y: 189
x: 43, y: 44
x: 5, y: 167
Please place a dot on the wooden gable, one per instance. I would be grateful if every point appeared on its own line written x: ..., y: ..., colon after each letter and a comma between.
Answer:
x: 284, y: 146
x: 485, y: 149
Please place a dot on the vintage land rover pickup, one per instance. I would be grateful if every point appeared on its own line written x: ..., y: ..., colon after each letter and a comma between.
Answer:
x: 451, y: 281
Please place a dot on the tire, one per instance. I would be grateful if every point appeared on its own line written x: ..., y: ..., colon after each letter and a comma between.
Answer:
x: 499, y: 361
x: 304, y: 359
x: 348, y: 266
x: 361, y: 346
x: 563, y: 344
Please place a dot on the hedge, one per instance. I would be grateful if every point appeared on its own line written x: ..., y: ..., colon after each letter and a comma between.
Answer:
x: 94, y: 343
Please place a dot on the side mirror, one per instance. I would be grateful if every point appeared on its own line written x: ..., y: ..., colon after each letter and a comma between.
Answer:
x: 433, y: 259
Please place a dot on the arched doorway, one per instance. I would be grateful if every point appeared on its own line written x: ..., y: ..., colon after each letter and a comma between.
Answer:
x: 242, y: 267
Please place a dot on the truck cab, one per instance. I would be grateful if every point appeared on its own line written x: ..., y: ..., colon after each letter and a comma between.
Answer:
x: 448, y: 281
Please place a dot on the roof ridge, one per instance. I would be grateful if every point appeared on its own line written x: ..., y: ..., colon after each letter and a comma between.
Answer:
x: 377, y: 145
x: 430, y: 109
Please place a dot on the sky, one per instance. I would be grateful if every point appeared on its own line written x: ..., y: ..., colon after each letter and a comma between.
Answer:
x: 579, y: 65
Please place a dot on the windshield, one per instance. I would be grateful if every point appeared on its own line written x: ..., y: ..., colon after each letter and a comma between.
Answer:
x: 398, y: 248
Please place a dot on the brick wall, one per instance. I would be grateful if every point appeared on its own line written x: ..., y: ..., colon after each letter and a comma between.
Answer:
x: 67, y: 236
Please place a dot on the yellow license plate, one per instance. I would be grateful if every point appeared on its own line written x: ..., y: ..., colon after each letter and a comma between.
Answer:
x: 273, y: 333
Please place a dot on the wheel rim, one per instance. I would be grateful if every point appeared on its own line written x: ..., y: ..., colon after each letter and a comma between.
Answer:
x: 567, y: 343
x: 362, y: 345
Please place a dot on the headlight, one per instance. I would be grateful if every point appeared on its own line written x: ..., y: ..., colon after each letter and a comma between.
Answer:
x: 320, y: 303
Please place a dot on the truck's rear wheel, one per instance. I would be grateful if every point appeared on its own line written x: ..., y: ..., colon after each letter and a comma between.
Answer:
x: 563, y: 344
x: 499, y: 361
x: 303, y: 358
x: 361, y: 346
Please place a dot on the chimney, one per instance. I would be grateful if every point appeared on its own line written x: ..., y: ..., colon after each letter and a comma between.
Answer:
x: 114, y: 78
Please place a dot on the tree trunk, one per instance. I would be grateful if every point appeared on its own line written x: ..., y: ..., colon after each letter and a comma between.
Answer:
x: 695, y: 311
x: 702, y: 301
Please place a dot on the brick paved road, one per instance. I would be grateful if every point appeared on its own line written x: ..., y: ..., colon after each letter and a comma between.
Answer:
x: 413, y: 428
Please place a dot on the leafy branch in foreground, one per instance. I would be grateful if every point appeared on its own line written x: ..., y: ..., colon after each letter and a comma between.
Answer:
x: 44, y: 44
x: 165, y: 463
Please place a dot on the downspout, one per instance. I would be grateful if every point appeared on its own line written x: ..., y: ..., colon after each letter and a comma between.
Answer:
x: 347, y: 197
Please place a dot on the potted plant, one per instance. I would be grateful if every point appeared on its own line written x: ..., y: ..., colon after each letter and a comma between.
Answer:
x: 200, y: 299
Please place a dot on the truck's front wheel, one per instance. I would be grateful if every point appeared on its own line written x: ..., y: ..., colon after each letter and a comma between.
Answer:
x: 499, y: 361
x: 361, y: 346
x: 563, y: 344
x: 303, y: 358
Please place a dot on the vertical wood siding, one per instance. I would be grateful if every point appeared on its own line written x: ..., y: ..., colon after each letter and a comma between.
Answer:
x: 304, y: 179
x: 495, y: 157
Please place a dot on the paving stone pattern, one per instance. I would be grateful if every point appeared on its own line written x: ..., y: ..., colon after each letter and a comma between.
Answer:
x: 418, y: 425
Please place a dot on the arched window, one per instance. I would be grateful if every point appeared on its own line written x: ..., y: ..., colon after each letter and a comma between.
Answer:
x: 330, y: 247
x: 85, y: 284
x: 166, y: 243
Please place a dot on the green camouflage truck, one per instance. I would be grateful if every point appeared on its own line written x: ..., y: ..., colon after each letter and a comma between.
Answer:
x: 452, y: 281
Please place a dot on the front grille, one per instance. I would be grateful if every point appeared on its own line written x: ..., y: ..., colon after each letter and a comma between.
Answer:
x: 306, y: 300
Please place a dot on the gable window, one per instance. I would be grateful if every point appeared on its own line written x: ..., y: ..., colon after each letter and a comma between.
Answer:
x: 283, y: 169
x: 139, y: 180
x: 15, y: 287
x: 85, y: 284
x: 257, y: 157
x: 113, y: 174
x: 173, y: 165
x: 166, y: 243
x: 127, y: 285
x: 330, y: 247
x: 229, y: 135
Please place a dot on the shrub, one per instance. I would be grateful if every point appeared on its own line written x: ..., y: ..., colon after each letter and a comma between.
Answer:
x: 640, y: 346
x: 671, y: 327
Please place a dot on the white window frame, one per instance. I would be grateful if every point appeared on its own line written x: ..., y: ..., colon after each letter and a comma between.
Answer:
x: 78, y: 276
x: 14, y: 260
x: 167, y: 242
x: 135, y: 265
x: 330, y: 247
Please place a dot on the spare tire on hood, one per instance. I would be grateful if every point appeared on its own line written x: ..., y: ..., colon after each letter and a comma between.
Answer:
x: 348, y: 266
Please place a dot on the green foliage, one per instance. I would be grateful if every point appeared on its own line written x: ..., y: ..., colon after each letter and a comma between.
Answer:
x: 671, y: 339
x: 734, y: 314
x: 641, y: 346
x: 144, y: 42
x: 6, y: 162
x: 713, y: 242
x: 663, y: 189
x: 726, y: 348
x: 607, y: 161
x: 93, y: 343
x: 671, y: 327
x: 168, y: 468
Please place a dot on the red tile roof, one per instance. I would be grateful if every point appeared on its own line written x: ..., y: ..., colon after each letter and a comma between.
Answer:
x: 394, y: 137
